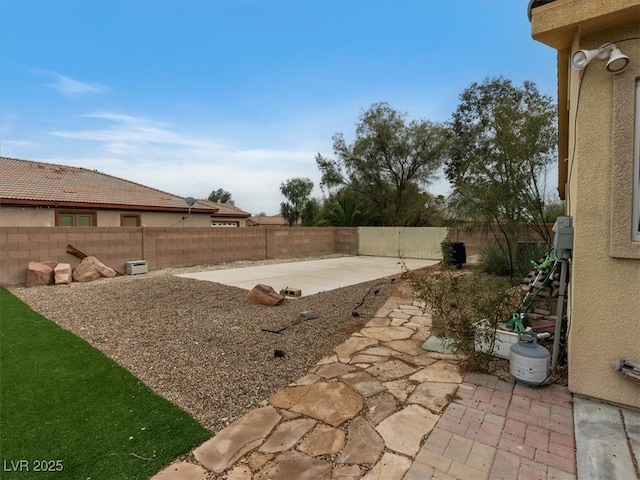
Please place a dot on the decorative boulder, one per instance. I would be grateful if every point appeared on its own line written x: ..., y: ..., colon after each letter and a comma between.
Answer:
x: 100, y: 267
x: 264, y: 295
x: 39, y: 274
x: 85, y: 272
x: 63, y: 273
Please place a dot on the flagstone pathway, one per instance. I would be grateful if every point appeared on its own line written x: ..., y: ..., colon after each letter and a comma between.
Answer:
x: 361, y: 413
x: 382, y: 408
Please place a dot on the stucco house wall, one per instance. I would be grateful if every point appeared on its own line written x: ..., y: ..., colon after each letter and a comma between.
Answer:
x: 604, y: 290
x: 34, y: 194
x: 15, y: 216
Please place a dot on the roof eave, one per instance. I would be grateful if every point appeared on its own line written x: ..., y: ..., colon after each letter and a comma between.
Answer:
x: 102, y: 206
x: 556, y: 24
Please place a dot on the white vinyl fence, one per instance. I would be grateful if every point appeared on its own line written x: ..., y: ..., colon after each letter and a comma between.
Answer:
x: 401, y: 242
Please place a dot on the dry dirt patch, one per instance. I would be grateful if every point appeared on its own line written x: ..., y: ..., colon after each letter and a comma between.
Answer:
x: 199, y: 344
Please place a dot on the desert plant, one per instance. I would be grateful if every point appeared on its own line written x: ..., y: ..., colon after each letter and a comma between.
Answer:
x: 494, y: 261
x: 447, y: 251
x: 459, y: 300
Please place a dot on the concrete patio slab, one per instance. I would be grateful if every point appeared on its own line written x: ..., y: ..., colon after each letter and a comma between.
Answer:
x: 313, y: 276
x: 602, y: 445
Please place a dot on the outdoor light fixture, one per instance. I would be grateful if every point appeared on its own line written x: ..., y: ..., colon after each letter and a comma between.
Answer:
x: 617, y: 62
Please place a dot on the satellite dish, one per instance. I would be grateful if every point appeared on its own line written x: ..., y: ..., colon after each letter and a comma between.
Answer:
x: 190, y: 201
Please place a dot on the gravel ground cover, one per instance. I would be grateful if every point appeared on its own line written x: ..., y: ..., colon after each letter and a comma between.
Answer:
x: 200, y: 344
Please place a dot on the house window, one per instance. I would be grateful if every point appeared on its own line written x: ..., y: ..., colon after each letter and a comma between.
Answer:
x: 76, y: 219
x: 130, y: 220
x: 225, y: 224
x: 636, y: 170
x: 625, y: 165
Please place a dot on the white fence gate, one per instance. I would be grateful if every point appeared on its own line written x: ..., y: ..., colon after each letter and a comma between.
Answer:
x: 401, y: 242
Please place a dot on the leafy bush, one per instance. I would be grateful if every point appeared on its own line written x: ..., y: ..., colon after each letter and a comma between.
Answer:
x: 447, y: 251
x: 494, y: 261
x: 457, y: 300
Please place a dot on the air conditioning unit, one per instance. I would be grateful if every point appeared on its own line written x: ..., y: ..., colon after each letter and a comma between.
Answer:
x: 136, y: 267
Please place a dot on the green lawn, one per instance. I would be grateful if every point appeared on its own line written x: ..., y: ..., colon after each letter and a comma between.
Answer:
x: 65, y: 405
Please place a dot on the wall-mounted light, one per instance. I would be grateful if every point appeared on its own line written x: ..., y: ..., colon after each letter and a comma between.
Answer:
x: 617, y: 62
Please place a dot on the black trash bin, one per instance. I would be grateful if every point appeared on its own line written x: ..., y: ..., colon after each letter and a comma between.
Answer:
x: 458, y: 254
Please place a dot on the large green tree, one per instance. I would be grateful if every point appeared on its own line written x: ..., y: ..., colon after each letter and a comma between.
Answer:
x: 220, y: 196
x: 389, y: 164
x: 503, y: 144
x: 297, y: 192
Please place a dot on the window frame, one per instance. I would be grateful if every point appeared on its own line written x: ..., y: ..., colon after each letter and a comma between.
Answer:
x: 91, y: 213
x: 636, y: 170
x: 137, y: 216
x: 224, y: 224
x: 624, y: 235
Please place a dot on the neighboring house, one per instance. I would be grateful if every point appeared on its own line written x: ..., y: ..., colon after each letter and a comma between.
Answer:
x: 599, y: 178
x: 268, y: 221
x: 38, y: 194
x: 227, y: 214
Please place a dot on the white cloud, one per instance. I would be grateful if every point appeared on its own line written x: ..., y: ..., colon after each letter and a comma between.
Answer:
x: 156, y: 154
x: 71, y: 87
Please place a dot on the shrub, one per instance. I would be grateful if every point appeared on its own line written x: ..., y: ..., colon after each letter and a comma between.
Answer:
x: 457, y: 300
x: 494, y: 261
x: 447, y: 251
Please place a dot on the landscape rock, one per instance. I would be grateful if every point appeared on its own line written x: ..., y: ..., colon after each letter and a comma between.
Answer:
x: 264, y: 295
x: 39, y: 274
x: 63, y: 273
x: 85, y: 272
x: 102, y: 269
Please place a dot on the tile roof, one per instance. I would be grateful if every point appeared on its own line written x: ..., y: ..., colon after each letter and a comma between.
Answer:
x: 224, y: 209
x: 39, y: 183
x: 269, y: 220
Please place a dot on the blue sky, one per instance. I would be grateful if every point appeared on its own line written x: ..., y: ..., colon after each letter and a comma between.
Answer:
x: 192, y: 96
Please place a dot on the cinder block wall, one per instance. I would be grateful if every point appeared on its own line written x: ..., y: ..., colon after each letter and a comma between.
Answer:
x: 474, y: 240
x: 164, y: 247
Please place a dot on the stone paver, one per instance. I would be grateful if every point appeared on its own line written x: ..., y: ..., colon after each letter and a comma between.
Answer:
x: 410, y: 347
x: 363, y: 383
x: 234, y: 441
x: 349, y: 472
x: 391, y: 467
x: 434, y: 396
x: 181, y: 471
x: 296, y: 465
x: 287, y: 435
x: 333, y: 403
x: 403, y: 431
x: 364, y: 444
x: 437, y: 372
x: 401, y: 389
x: 323, y: 440
x: 333, y: 370
x: 391, y: 370
x: 380, y: 407
x: 352, y: 345
x: 387, y: 333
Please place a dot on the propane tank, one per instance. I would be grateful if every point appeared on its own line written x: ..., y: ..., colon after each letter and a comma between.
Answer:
x: 529, y: 362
